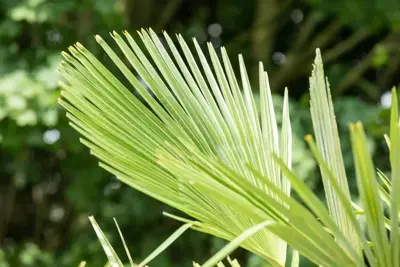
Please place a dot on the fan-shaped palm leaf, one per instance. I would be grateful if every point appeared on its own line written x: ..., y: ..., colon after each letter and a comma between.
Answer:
x: 194, y: 139
x: 188, y: 114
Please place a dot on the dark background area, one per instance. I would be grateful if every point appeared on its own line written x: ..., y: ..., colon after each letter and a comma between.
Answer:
x: 49, y: 184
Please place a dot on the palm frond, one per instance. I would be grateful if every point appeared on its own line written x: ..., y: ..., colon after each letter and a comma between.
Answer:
x: 327, y: 136
x: 207, y: 111
x: 191, y: 136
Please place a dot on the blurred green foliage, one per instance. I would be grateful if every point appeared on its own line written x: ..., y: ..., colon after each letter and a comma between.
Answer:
x: 49, y: 183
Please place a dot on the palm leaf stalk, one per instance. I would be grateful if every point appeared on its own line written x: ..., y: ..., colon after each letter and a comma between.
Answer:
x: 193, y: 138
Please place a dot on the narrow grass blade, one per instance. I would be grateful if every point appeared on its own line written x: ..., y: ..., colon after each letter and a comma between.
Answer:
x: 235, y: 244
x: 165, y: 244
x: 113, y: 259
x: 124, y: 243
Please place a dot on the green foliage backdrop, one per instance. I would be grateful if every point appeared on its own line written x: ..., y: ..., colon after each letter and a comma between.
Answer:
x: 49, y: 183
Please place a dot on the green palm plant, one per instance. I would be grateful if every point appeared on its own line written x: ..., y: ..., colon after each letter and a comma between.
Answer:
x: 192, y: 137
